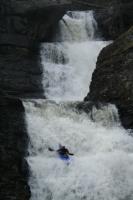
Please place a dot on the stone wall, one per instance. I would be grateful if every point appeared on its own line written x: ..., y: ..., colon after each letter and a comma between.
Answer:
x: 13, y: 145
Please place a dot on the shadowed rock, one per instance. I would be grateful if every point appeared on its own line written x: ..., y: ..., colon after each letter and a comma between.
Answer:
x: 116, y: 20
x: 112, y: 80
x: 22, y: 28
x: 13, y: 145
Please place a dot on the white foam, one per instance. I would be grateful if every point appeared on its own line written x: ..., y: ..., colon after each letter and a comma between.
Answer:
x: 101, y: 168
x: 69, y: 81
x: 77, y: 26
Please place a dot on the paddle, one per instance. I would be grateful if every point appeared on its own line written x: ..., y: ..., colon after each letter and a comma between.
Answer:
x: 50, y: 149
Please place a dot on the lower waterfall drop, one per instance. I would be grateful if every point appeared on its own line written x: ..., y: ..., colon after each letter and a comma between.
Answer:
x: 102, y: 165
x: 101, y: 168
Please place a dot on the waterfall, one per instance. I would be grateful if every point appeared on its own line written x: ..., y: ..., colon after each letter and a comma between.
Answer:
x: 68, y: 64
x: 101, y: 168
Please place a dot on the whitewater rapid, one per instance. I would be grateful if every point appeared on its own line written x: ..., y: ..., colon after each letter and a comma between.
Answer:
x: 101, y: 168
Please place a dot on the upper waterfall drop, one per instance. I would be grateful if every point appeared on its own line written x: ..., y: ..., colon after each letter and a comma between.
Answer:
x: 77, y: 26
x: 68, y: 65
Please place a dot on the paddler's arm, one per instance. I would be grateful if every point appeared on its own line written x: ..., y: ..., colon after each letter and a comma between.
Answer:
x: 71, y: 154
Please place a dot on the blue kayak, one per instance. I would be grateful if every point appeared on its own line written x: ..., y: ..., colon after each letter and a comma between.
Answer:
x: 64, y: 157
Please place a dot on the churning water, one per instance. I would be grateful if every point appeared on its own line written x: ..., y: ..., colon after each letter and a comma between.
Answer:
x: 101, y: 168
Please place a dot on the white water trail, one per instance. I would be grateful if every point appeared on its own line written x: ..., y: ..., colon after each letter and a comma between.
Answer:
x: 101, y: 168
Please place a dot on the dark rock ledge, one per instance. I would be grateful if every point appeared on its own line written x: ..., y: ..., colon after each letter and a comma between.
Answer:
x: 23, y: 26
x: 112, y: 80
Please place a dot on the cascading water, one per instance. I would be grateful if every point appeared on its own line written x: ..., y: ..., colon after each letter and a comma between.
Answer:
x: 68, y: 65
x: 101, y: 168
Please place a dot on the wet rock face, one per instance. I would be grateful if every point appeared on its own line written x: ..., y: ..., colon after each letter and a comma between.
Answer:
x: 116, y: 19
x: 20, y: 72
x: 112, y: 81
x: 13, y: 145
x: 23, y: 25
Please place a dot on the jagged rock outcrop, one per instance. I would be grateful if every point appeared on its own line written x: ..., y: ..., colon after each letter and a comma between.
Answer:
x: 20, y: 72
x: 115, y: 20
x: 112, y: 80
x: 23, y: 25
x: 13, y: 145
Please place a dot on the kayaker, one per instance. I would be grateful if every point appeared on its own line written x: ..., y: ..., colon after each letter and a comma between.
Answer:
x: 62, y: 151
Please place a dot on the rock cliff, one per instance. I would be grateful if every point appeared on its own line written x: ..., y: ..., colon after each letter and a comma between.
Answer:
x: 112, y: 80
x: 115, y: 20
x: 13, y: 145
x: 23, y: 25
